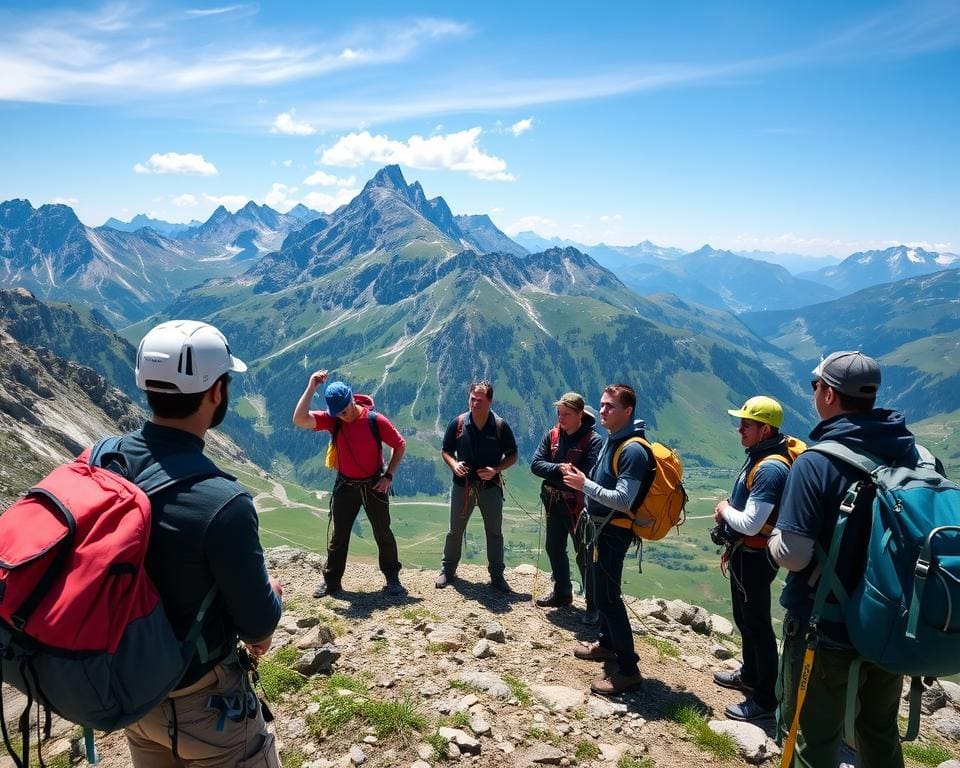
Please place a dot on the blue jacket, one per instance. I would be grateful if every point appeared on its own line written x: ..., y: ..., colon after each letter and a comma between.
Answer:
x: 817, y: 484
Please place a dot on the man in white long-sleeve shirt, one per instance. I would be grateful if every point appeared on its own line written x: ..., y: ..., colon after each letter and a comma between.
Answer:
x: 744, y: 522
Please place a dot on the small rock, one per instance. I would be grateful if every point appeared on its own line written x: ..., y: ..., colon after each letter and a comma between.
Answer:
x: 652, y: 607
x: 482, y: 649
x: 485, y: 681
x: 538, y: 718
x: 380, y: 633
x: 721, y: 652
x: 305, y: 622
x: 453, y: 751
x: 525, y: 569
x: 597, y: 707
x: 950, y: 764
x: 613, y: 752
x: 558, y: 697
x: 933, y: 698
x: 464, y: 741
x: 952, y: 690
x: 419, y: 764
x: 447, y: 637
x: 466, y: 702
x: 479, y: 726
x: 947, y: 723
x: 357, y: 756
x: 429, y: 688
x: 317, y: 637
x: 317, y: 661
x: 370, y: 739
x: 424, y: 751
x: 563, y: 729
x: 721, y: 625
x: 694, y: 662
x: 544, y: 754
x: 751, y: 740
x: 494, y: 632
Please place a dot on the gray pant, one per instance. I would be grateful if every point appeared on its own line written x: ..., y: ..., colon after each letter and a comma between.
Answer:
x: 463, y: 499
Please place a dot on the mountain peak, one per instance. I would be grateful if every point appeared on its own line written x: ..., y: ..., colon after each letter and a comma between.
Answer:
x: 389, y: 176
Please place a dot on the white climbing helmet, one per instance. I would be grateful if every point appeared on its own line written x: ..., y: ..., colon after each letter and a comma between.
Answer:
x: 184, y: 356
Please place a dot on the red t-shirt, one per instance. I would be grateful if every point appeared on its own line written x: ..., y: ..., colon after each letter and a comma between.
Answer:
x: 358, y: 454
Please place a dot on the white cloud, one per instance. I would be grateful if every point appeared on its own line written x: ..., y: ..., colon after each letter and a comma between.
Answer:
x: 286, y: 124
x: 184, y: 201
x: 452, y: 152
x: 126, y: 51
x: 612, y: 217
x: 539, y: 224
x: 283, y: 197
x: 814, y: 245
x: 286, y: 163
x: 230, y: 202
x: 173, y: 162
x: 321, y: 201
x: 329, y: 180
x: 521, y: 126
x: 71, y: 201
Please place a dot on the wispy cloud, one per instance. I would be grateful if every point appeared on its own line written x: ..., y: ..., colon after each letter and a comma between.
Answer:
x: 185, y: 200
x: 543, y: 226
x: 282, y: 197
x: 286, y: 124
x: 521, y: 126
x: 230, y: 202
x: 453, y: 152
x: 174, y: 162
x: 245, y: 8
x: 104, y: 55
x: 320, y: 178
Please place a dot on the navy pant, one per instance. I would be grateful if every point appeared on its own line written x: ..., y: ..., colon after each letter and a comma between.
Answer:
x: 615, y: 631
x: 344, y: 507
x: 751, y: 574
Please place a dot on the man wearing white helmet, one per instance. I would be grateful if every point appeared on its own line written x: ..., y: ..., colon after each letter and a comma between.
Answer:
x: 204, y: 536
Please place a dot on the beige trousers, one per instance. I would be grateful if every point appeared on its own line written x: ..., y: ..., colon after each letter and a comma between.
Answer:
x: 244, y: 744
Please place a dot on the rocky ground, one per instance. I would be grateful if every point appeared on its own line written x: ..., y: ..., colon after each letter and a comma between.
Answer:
x: 468, y: 675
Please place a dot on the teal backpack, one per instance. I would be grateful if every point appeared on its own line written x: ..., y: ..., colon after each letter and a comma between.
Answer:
x: 904, y: 613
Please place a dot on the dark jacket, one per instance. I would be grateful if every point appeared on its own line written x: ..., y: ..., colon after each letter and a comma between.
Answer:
x: 817, y: 484
x: 204, y: 532
x: 634, y: 465
x: 479, y: 447
x: 768, y: 481
x: 548, y: 467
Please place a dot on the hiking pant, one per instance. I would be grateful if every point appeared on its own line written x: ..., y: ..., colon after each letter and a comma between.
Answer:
x: 463, y: 499
x: 204, y: 737
x: 751, y: 573
x: 560, y: 525
x: 345, y: 503
x: 615, y: 631
x: 822, y: 716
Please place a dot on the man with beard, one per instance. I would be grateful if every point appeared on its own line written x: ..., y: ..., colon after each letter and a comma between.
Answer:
x: 204, y: 542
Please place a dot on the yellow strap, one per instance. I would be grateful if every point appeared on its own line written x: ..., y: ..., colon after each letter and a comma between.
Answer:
x: 616, y: 454
x: 791, y: 742
x: 772, y: 457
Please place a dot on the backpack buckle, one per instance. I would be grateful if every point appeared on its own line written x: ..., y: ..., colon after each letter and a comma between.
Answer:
x: 850, y: 499
x: 922, y: 569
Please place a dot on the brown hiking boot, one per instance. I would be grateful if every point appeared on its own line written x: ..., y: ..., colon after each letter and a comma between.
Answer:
x: 616, y: 683
x: 593, y: 652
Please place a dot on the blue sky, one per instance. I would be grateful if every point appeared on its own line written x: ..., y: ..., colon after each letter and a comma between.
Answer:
x: 818, y: 128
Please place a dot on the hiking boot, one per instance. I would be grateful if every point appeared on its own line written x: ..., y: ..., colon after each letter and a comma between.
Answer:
x: 553, y: 600
x: 593, y: 652
x: 732, y: 680
x: 591, y: 617
x: 616, y: 683
x: 394, y: 587
x: 323, y: 589
x: 748, y: 711
x: 500, y: 584
x: 443, y: 578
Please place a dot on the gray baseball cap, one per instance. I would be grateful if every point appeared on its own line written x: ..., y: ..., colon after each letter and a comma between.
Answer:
x: 852, y: 373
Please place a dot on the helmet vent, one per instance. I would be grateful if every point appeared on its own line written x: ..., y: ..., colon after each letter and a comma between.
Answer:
x: 189, y: 371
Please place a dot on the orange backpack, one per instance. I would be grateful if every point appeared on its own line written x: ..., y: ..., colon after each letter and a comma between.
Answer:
x: 661, y: 506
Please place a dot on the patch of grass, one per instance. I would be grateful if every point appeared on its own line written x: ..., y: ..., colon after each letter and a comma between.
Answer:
x: 440, y: 746
x: 379, y: 645
x: 460, y: 685
x: 927, y: 752
x: 694, y: 721
x: 292, y: 758
x: 519, y: 689
x: 629, y: 761
x: 586, y: 750
x: 286, y: 655
x: 665, y: 647
x: 542, y: 734
x: 460, y: 720
x: 418, y: 612
x: 393, y: 718
x: 436, y: 648
x: 277, y: 678
x: 340, y: 681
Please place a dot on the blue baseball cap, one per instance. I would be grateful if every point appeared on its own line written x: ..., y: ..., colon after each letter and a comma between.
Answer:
x: 338, y: 396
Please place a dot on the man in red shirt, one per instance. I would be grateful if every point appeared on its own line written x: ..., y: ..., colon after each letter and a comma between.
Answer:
x: 357, y: 432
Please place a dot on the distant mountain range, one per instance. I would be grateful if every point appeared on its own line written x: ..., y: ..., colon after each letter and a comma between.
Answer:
x: 911, y: 326
x: 141, y: 220
x: 796, y: 263
x: 863, y: 269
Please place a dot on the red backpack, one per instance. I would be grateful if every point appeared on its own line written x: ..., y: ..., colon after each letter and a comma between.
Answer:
x: 82, y: 628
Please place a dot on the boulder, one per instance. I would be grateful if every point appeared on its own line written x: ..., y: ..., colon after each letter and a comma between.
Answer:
x: 752, y: 742
x: 558, y: 697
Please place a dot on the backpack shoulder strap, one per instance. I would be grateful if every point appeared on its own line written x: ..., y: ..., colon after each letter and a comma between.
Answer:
x: 616, y: 454
x: 498, y: 422
x: 925, y: 458
x: 778, y: 457
x: 862, y: 460
x: 460, y: 420
x: 554, y: 442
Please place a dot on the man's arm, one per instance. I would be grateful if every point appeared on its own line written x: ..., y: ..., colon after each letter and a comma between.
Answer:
x: 459, y: 468
x: 541, y: 465
x: 791, y: 550
x: 398, y: 447
x: 509, y: 453
x: 301, y: 413
x: 633, y: 468
x: 768, y: 483
x: 235, y: 557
